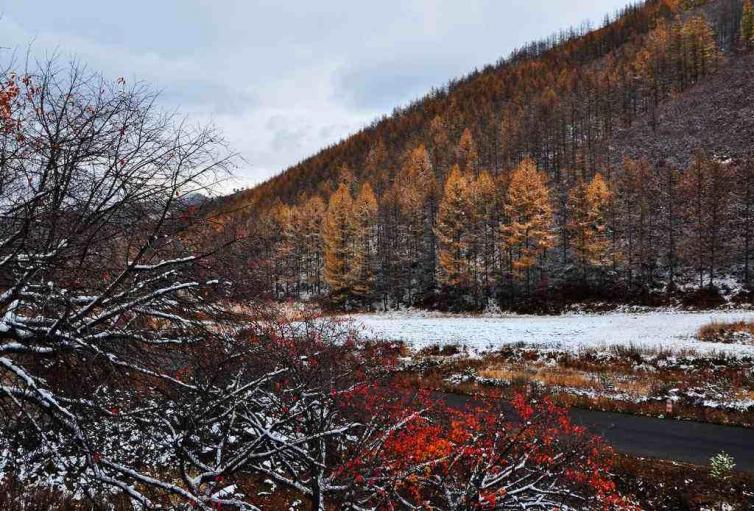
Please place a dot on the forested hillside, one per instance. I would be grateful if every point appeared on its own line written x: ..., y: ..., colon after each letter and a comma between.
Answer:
x: 611, y: 164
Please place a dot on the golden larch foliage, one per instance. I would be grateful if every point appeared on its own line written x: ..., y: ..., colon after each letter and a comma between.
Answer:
x: 337, y: 235
x: 467, y: 154
x: 701, y: 50
x: 487, y: 204
x: 364, y: 227
x: 454, y: 223
x: 747, y: 24
x: 527, y: 232
x: 588, y: 202
x: 417, y: 183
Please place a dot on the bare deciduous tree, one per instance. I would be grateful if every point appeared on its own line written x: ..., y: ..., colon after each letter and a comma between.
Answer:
x: 97, y: 273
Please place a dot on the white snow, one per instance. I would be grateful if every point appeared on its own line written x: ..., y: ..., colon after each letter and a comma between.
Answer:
x: 658, y: 330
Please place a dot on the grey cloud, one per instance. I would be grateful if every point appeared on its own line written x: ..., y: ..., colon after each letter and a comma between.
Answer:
x: 290, y: 140
x: 384, y: 85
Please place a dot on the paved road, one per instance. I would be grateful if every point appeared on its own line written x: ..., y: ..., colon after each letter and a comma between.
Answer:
x: 691, y: 442
x: 686, y: 441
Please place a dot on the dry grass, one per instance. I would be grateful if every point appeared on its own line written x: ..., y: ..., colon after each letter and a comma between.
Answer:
x: 626, y: 380
x: 723, y: 332
x: 501, y: 373
x: 566, y: 377
x: 554, y: 376
x: 637, y: 387
x: 744, y: 394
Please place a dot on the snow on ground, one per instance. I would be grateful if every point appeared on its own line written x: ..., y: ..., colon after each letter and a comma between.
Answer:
x: 664, y: 330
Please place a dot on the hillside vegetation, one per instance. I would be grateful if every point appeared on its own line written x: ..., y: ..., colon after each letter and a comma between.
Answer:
x: 609, y: 164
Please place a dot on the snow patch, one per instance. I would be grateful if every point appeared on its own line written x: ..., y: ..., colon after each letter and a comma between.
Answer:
x: 674, y: 331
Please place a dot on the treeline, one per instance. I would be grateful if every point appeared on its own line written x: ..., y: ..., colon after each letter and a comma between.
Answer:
x: 559, y: 102
x: 515, y: 238
x: 505, y: 187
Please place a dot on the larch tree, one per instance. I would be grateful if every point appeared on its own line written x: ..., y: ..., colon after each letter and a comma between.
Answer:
x: 311, y: 215
x: 487, y: 206
x: 417, y: 197
x: 707, y: 189
x: 694, y: 185
x: 467, y: 154
x: 653, y: 61
x: 509, y: 136
x: 638, y: 214
x: 265, y: 267
x: 338, y: 238
x: 453, y: 229
x: 390, y: 249
x: 347, y: 177
x: 364, y: 220
x: 747, y: 24
x: 744, y: 215
x: 287, y: 249
x: 700, y: 50
x: 670, y: 218
x: 527, y: 232
x: 376, y: 159
x: 441, y: 146
x: 587, y: 223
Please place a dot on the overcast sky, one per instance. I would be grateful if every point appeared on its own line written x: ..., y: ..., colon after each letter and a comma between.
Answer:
x: 283, y: 78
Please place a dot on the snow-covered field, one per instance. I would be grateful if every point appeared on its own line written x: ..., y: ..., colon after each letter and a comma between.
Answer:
x: 666, y: 330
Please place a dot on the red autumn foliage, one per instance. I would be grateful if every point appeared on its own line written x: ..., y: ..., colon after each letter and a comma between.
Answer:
x: 409, y: 449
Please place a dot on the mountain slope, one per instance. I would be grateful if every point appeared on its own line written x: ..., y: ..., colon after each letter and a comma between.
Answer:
x: 566, y: 102
x: 716, y: 115
x: 560, y: 174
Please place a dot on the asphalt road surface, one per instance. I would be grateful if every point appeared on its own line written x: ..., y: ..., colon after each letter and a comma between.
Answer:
x: 691, y: 442
x: 684, y: 441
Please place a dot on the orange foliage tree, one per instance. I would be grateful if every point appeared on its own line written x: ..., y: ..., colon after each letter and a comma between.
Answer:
x: 527, y: 231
